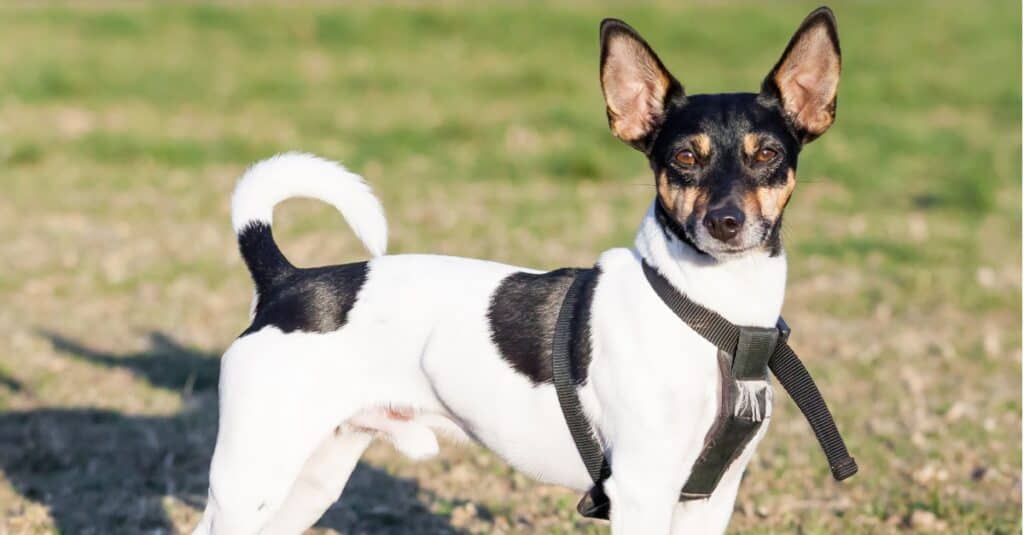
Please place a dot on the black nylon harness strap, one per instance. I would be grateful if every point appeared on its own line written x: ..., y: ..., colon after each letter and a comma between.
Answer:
x: 582, y: 434
x: 595, y: 503
x: 707, y: 323
x: 797, y: 381
x: 784, y: 363
x: 731, y: 340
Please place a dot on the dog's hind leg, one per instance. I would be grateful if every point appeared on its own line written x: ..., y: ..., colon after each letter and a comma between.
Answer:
x: 278, y: 402
x: 320, y: 484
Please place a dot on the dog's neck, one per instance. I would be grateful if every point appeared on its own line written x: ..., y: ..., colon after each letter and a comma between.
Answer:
x: 746, y: 291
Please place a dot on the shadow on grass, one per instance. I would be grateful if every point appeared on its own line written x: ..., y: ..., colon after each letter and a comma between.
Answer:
x: 10, y: 383
x: 101, y: 471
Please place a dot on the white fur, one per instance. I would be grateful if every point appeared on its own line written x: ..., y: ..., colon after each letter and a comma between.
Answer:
x: 746, y: 290
x: 296, y: 408
x: 746, y: 401
x: 294, y: 174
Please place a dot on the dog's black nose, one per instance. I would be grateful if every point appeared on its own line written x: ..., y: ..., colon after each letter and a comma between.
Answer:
x: 724, y: 223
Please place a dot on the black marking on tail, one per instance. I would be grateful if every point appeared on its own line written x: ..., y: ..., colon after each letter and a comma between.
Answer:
x: 316, y: 300
x: 522, y: 317
x: 266, y: 263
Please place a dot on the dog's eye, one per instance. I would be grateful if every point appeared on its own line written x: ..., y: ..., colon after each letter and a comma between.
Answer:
x: 686, y: 158
x: 766, y: 155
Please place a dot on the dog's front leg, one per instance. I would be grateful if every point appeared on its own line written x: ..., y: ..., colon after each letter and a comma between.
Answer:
x: 637, y: 510
x: 712, y: 515
x: 644, y: 486
x: 648, y: 505
x: 707, y: 516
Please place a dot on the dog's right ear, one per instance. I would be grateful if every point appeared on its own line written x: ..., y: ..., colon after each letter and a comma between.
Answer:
x: 637, y: 87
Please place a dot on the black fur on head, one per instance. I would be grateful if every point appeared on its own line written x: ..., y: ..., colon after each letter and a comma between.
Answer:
x: 724, y: 164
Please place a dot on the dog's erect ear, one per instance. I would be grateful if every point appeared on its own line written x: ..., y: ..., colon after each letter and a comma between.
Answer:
x: 806, y: 78
x: 638, y: 89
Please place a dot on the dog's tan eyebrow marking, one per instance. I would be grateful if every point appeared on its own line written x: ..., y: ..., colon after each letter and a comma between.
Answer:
x: 750, y: 144
x: 702, y: 142
x: 773, y: 199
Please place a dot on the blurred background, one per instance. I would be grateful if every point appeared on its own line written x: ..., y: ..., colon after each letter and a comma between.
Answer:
x: 123, y: 127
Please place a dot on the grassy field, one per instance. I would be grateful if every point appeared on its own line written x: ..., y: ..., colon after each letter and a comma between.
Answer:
x: 481, y: 125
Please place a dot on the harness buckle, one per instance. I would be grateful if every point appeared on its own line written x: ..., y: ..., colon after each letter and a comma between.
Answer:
x: 753, y: 349
x: 595, y: 503
x: 783, y: 329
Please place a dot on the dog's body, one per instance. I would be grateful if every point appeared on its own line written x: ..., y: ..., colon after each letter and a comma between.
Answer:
x: 404, y: 347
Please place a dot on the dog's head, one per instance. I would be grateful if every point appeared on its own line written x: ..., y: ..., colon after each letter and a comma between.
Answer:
x: 724, y: 164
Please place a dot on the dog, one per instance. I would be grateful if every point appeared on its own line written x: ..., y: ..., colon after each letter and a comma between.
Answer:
x: 407, y: 347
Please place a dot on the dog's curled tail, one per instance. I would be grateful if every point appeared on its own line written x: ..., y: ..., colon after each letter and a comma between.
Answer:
x: 293, y: 174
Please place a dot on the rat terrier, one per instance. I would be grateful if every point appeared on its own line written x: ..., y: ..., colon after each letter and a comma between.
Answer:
x: 406, y: 347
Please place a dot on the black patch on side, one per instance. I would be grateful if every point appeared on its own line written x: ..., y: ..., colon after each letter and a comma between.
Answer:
x: 522, y: 316
x: 315, y: 300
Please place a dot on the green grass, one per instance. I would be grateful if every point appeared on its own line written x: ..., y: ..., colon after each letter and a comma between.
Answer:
x: 124, y: 126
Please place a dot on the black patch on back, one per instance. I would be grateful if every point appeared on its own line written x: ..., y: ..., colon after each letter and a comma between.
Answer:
x: 315, y: 300
x: 522, y: 316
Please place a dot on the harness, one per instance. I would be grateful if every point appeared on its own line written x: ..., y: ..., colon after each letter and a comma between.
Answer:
x: 745, y: 354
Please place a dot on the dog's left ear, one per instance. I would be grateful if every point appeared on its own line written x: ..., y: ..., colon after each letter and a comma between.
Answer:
x: 637, y: 87
x: 806, y: 78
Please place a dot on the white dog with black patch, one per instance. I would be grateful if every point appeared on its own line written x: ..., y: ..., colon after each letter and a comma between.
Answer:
x: 406, y: 347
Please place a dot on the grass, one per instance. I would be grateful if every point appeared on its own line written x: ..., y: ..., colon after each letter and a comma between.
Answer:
x: 124, y: 126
